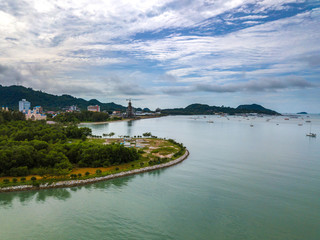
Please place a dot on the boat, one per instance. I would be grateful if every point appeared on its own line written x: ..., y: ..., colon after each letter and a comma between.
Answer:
x: 251, y: 125
x: 210, y: 121
x: 311, y: 134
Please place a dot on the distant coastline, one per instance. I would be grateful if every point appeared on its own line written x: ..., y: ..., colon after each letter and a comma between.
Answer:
x: 120, y: 120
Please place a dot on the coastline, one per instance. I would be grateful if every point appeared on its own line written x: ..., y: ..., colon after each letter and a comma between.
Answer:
x: 72, y: 183
x: 121, y: 120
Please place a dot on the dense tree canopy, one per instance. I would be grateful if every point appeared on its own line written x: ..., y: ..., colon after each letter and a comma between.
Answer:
x: 6, y: 116
x: 84, y: 116
x: 36, y: 147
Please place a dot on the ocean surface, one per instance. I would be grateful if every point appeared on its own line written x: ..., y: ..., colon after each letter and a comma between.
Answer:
x: 239, y: 182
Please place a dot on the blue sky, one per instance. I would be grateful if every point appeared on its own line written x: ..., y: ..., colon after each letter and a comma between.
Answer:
x: 167, y: 53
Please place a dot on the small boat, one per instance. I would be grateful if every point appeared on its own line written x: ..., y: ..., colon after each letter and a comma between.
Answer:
x: 311, y: 134
x: 286, y: 119
x: 210, y: 121
x: 300, y: 124
x: 251, y: 125
x: 308, y: 121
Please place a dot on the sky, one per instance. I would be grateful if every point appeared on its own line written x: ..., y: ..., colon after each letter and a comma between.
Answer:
x: 166, y: 53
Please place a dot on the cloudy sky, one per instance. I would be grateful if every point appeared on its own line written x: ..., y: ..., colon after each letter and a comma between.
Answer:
x: 166, y: 53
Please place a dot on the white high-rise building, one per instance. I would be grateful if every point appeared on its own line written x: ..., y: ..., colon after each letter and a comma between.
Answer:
x: 24, y: 105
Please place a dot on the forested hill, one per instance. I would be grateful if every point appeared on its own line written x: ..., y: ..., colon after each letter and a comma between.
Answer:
x: 197, y: 108
x: 10, y: 96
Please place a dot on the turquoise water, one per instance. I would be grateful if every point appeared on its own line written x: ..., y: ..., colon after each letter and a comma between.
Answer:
x: 239, y: 182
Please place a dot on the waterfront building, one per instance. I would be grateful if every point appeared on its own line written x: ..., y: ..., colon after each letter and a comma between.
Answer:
x: 116, y: 113
x: 73, y: 108
x: 38, y: 109
x: 24, y: 105
x: 35, y: 114
x: 95, y: 108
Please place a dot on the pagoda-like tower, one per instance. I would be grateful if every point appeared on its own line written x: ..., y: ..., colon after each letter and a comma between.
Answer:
x: 129, y: 112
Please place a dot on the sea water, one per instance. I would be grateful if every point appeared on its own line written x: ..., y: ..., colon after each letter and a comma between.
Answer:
x: 246, y: 178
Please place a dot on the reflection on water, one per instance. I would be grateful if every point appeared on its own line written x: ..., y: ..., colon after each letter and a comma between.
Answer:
x: 101, y: 126
x: 61, y: 193
x: 157, y: 172
x: 129, y: 127
x: 116, y: 182
x: 39, y: 196
x: 7, y: 198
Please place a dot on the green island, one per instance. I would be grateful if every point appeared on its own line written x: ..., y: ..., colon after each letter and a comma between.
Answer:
x: 36, y: 153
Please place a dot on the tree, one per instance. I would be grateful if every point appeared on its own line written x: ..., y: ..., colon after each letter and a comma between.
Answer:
x: 147, y: 134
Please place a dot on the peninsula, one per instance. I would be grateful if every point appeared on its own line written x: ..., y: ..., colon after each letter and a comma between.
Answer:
x: 34, y: 154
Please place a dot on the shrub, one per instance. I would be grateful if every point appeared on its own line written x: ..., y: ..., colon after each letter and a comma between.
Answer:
x: 14, y: 180
x: 147, y: 134
x: 23, y: 179
x: 132, y: 165
x: 141, y: 164
x: 33, y: 179
x: 117, y: 169
x: 6, y: 181
x: 79, y: 175
x: 98, y: 171
x: 87, y: 173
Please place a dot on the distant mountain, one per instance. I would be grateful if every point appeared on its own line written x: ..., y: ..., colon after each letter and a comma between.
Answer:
x: 255, y: 108
x: 10, y: 96
x: 302, y: 113
x: 197, y: 108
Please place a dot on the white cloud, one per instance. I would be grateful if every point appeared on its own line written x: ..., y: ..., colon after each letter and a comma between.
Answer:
x: 44, y: 41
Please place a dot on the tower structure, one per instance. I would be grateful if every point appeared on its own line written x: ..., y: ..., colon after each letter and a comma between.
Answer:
x: 129, y: 112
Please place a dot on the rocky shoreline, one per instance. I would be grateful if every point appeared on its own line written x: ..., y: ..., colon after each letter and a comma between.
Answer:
x: 72, y: 183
